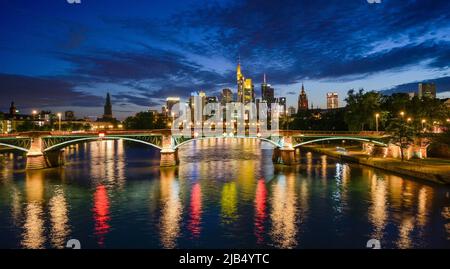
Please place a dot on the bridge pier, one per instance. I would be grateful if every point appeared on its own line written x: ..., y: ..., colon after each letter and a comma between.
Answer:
x: 37, y: 159
x: 35, y: 156
x: 375, y: 150
x: 40, y: 160
x: 285, y: 155
x: 169, y: 157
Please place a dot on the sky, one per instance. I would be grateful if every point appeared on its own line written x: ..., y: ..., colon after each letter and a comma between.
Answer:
x: 60, y: 56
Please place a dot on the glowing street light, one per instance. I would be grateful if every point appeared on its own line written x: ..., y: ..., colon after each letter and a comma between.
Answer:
x: 59, y: 120
x: 423, y: 123
x: 34, y: 112
x: 409, y: 119
x: 402, y: 113
x: 376, y: 120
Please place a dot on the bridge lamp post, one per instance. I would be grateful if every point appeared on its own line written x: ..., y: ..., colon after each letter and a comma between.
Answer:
x: 376, y: 120
x: 59, y: 121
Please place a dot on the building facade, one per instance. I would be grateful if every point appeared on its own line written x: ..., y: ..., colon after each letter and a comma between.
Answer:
x: 226, y: 96
x: 302, y: 100
x: 246, y: 89
x: 267, y: 92
x: 332, y: 100
x: 427, y: 90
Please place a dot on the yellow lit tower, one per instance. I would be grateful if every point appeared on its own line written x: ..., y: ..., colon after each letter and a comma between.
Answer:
x: 246, y: 90
x: 240, y: 82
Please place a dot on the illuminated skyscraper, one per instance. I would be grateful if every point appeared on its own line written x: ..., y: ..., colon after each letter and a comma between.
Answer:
x: 246, y: 90
x: 267, y: 92
x: 332, y: 100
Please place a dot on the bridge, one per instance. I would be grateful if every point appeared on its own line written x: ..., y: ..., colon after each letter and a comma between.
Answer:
x: 45, y: 149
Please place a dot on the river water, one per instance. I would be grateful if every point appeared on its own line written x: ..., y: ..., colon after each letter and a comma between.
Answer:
x: 226, y: 193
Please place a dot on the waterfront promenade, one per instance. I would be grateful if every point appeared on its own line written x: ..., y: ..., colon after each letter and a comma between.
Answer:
x: 430, y: 169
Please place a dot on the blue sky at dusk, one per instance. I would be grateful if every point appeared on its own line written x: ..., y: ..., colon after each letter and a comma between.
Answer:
x: 60, y: 56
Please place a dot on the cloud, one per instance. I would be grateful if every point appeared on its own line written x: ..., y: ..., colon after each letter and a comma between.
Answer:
x: 294, y: 40
x: 32, y: 92
x: 442, y: 85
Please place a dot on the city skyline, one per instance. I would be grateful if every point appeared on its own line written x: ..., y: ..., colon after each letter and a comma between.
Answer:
x: 80, y: 52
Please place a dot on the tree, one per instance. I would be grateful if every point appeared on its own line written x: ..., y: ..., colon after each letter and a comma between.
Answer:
x: 144, y: 120
x: 26, y: 126
x: 402, y: 134
x: 361, y: 109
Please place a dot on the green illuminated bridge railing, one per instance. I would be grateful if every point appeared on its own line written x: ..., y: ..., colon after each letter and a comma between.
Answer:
x: 158, y: 138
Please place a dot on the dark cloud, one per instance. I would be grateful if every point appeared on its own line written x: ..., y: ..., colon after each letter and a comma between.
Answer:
x: 442, y: 85
x: 152, y: 57
x: 293, y: 40
x: 31, y: 92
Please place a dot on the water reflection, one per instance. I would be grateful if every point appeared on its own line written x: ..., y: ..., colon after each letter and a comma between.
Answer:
x: 107, y: 162
x: 229, y: 203
x: 260, y: 210
x: 33, y: 234
x: 225, y: 193
x: 195, y: 210
x: 284, y: 211
x: 171, y: 209
x: 59, y: 218
x: 101, y: 214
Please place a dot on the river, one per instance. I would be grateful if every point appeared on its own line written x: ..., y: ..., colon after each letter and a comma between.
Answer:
x: 226, y: 193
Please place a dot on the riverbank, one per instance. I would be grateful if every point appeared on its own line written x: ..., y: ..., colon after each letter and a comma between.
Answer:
x: 431, y: 169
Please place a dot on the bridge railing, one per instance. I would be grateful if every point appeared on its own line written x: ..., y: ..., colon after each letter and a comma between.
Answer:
x: 337, y: 133
x: 115, y: 132
x: 168, y: 132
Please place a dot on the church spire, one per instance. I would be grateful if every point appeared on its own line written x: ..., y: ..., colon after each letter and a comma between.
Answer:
x: 108, y: 108
x: 238, y: 69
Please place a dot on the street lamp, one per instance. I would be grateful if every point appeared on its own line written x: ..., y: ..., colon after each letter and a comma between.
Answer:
x: 376, y: 120
x: 402, y: 113
x: 423, y: 123
x: 409, y: 119
x: 59, y: 121
x: 34, y: 112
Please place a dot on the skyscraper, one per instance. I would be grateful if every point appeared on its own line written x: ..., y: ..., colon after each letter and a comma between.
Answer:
x: 170, y: 102
x: 302, y: 100
x: 246, y: 89
x: 427, y: 90
x: 226, y: 96
x: 332, y: 100
x: 267, y: 92
x: 107, y: 114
